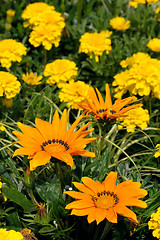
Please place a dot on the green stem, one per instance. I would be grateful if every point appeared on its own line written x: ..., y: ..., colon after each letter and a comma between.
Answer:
x: 32, y: 197
x: 45, y: 57
x: 79, y: 10
x: 101, y: 143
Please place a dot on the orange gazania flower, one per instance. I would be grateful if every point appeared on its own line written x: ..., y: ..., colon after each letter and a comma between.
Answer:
x: 53, y: 140
x: 106, y: 199
x: 105, y: 109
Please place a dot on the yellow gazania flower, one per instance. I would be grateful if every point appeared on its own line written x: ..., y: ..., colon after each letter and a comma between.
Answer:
x: 34, y: 11
x: 74, y: 93
x: 154, y: 223
x: 106, y: 199
x: 95, y: 42
x: 154, y: 44
x: 60, y: 72
x: 10, y: 235
x: 119, y: 23
x: 157, y: 153
x: 8, y: 85
x: 137, y: 117
x: 11, y: 51
x: 31, y: 78
x: 53, y: 140
x: 105, y: 109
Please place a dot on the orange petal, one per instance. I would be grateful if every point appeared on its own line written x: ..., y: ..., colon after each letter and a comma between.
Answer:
x: 55, y: 125
x: 100, y: 215
x: 91, y: 184
x: 110, y: 181
x: 83, y: 188
x: 65, y: 157
x: 126, y: 212
x: 80, y: 212
x: 63, y: 125
x: 77, y: 195
x: 108, y: 101
x: 41, y: 158
x: 111, y: 215
x: 45, y: 128
x: 79, y: 204
x: 25, y: 151
x: 92, y: 214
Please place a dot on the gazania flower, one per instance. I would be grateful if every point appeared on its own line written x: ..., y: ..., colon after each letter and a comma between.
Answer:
x: 31, y: 78
x: 119, y: 23
x: 106, y: 199
x: 74, y: 93
x: 157, y: 153
x: 95, y: 42
x: 11, y: 51
x: 60, y: 71
x: 53, y: 140
x: 154, y: 44
x: 105, y: 109
x: 9, y: 86
x: 10, y: 235
x: 154, y: 223
x: 137, y: 117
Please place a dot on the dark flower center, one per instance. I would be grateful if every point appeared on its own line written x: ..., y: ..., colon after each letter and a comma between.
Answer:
x: 61, y: 142
x: 105, y: 200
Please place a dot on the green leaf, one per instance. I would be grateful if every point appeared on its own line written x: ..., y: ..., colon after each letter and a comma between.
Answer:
x: 18, y: 198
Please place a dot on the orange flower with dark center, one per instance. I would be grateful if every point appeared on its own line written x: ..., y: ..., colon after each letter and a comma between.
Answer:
x: 96, y: 105
x: 106, y: 199
x: 53, y: 140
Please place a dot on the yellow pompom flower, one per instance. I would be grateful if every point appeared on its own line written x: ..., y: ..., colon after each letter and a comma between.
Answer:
x: 157, y: 153
x: 137, y: 58
x: 34, y: 11
x: 47, y: 30
x: 8, y: 85
x: 95, y: 42
x: 60, y: 72
x: 134, y: 3
x: 74, y: 93
x: 10, y: 13
x: 31, y: 78
x: 2, y: 128
x: 120, y: 23
x: 11, y: 51
x: 142, y: 79
x: 154, y: 223
x: 10, y: 235
x: 137, y: 117
x: 154, y: 44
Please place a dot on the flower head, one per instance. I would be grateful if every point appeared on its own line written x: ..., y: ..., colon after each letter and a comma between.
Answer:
x: 95, y: 42
x: 33, y: 12
x: 134, y: 3
x: 47, y: 30
x: 105, y: 109
x: 10, y: 235
x: 11, y: 51
x: 154, y: 223
x: 27, y: 234
x: 157, y: 153
x: 137, y: 117
x: 2, y: 128
x: 136, y: 58
x: 154, y: 44
x: 106, y: 199
x: 9, y: 86
x: 31, y: 78
x: 53, y: 140
x: 119, y: 23
x: 60, y: 71
x: 142, y: 79
x: 10, y: 13
x: 74, y: 93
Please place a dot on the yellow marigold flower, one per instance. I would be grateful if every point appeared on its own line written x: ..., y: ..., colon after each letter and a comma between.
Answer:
x: 135, y: 58
x: 157, y: 153
x: 134, y: 3
x: 104, y: 110
x: 53, y: 140
x: 47, y: 30
x: 154, y: 44
x: 10, y: 235
x: 31, y: 78
x: 154, y: 223
x: 74, y: 93
x: 10, y: 13
x: 142, y: 79
x: 0, y: 186
x: 60, y: 72
x: 34, y: 11
x: 137, y: 117
x: 95, y: 42
x: 2, y: 128
x: 9, y: 85
x: 11, y: 51
x: 119, y: 23
x: 106, y: 199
